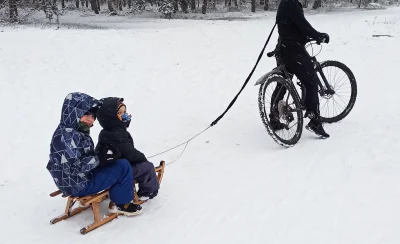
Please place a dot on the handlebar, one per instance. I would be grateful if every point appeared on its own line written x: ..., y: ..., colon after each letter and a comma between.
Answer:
x: 272, y: 53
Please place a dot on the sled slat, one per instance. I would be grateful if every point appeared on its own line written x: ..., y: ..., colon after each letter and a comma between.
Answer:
x: 86, y: 201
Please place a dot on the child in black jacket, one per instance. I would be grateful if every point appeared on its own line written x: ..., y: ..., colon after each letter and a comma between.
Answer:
x: 113, y: 118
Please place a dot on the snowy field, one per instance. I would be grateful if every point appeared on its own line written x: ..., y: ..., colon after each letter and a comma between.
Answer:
x: 233, y: 184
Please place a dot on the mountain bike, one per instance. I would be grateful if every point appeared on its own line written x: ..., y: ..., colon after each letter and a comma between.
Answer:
x: 290, y: 110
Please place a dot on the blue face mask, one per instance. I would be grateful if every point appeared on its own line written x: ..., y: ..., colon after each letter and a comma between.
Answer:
x: 125, y: 117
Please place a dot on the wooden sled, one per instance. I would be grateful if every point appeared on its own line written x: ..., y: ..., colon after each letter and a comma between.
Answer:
x: 93, y: 202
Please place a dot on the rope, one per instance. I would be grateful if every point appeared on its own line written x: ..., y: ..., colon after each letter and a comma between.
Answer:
x: 186, y: 142
x: 226, y: 110
x: 247, y: 80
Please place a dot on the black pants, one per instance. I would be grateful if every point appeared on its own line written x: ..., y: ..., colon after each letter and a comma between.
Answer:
x: 146, y: 177
x: 298, y: 62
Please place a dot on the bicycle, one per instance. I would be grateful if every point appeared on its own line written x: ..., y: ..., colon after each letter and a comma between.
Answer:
x: 283, y: 109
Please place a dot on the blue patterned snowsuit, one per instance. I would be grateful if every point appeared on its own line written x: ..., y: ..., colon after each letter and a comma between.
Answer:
x: 73, y: 162
x: 72, y: 155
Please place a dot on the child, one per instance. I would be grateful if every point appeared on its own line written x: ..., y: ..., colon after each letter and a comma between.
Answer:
x: 113, y: 118
x: 74, y: 165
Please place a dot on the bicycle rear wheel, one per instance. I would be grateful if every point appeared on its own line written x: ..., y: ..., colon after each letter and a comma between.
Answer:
x: 278, y: 102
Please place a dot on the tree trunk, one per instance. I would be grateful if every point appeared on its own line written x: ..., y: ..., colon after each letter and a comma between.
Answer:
x: 204, y: 7
x: 13, y: 10
x: 317, y: 4
x: 93, y: 4
x: 253, y: 6
x: 184, y: 6
x: 110, y: 6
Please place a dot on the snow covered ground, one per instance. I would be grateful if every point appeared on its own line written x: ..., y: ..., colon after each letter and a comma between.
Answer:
x: 233, y: 184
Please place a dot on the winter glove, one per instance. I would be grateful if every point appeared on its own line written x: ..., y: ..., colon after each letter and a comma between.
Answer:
x: 108, y: 154
x: 323, y: 38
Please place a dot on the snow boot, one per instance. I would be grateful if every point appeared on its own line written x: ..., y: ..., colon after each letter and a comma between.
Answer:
x: 144, y: 196
x: 129, y: 209
x: 275, y: 123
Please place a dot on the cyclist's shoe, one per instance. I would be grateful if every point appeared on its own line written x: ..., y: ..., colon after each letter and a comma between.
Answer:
x: 315, y: 125
x: 275, y: 123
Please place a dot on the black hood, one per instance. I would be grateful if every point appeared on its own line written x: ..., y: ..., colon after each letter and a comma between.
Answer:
x: 107, y: 114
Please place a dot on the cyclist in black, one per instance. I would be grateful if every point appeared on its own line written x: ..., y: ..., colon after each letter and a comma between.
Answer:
x: 294, y: 32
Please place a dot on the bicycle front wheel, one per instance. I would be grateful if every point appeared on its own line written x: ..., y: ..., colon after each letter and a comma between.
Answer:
x: 335, y: 107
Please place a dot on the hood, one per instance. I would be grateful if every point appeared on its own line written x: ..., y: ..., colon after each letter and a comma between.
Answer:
x: 107, y: 114
x: 75, y: 105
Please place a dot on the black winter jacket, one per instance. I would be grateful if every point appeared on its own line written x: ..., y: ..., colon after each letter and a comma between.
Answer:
x: 292, y: 25
x: 115, y: 132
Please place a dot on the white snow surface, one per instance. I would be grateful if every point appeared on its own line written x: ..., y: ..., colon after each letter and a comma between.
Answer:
x: 233, y: 184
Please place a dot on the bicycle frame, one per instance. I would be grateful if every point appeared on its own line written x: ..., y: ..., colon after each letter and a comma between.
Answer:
x: 324, y: 88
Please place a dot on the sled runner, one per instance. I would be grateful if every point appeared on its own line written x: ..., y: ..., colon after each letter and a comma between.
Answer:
x: 93, y: 202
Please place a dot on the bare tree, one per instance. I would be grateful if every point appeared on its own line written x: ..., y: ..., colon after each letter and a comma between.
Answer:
x: 95, y: 7
x: 266, y: 5
x: 13, y: 10
x: 317, y: 4
x: 193, y: 5
x: 184, y: 6
x: 204, y: 7
x: 111, y: 6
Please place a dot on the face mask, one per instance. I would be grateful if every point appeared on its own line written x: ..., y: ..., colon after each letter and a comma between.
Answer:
x: 125, y: 117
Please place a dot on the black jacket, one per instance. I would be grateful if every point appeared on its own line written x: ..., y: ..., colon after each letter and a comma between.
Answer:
x: 292, y: 25
x: 115, y: 132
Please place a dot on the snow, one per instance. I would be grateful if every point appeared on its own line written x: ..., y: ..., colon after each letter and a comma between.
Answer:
x: 233, y: 184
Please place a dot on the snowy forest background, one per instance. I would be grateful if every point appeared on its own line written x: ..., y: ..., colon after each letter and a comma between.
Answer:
x: 18, y: 11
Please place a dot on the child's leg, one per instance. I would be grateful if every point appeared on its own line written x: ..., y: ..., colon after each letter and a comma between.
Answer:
x: 146, y: 177
x: 117, y: 176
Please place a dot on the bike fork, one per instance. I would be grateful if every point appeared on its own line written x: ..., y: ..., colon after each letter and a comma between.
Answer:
x: 328, y: 89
